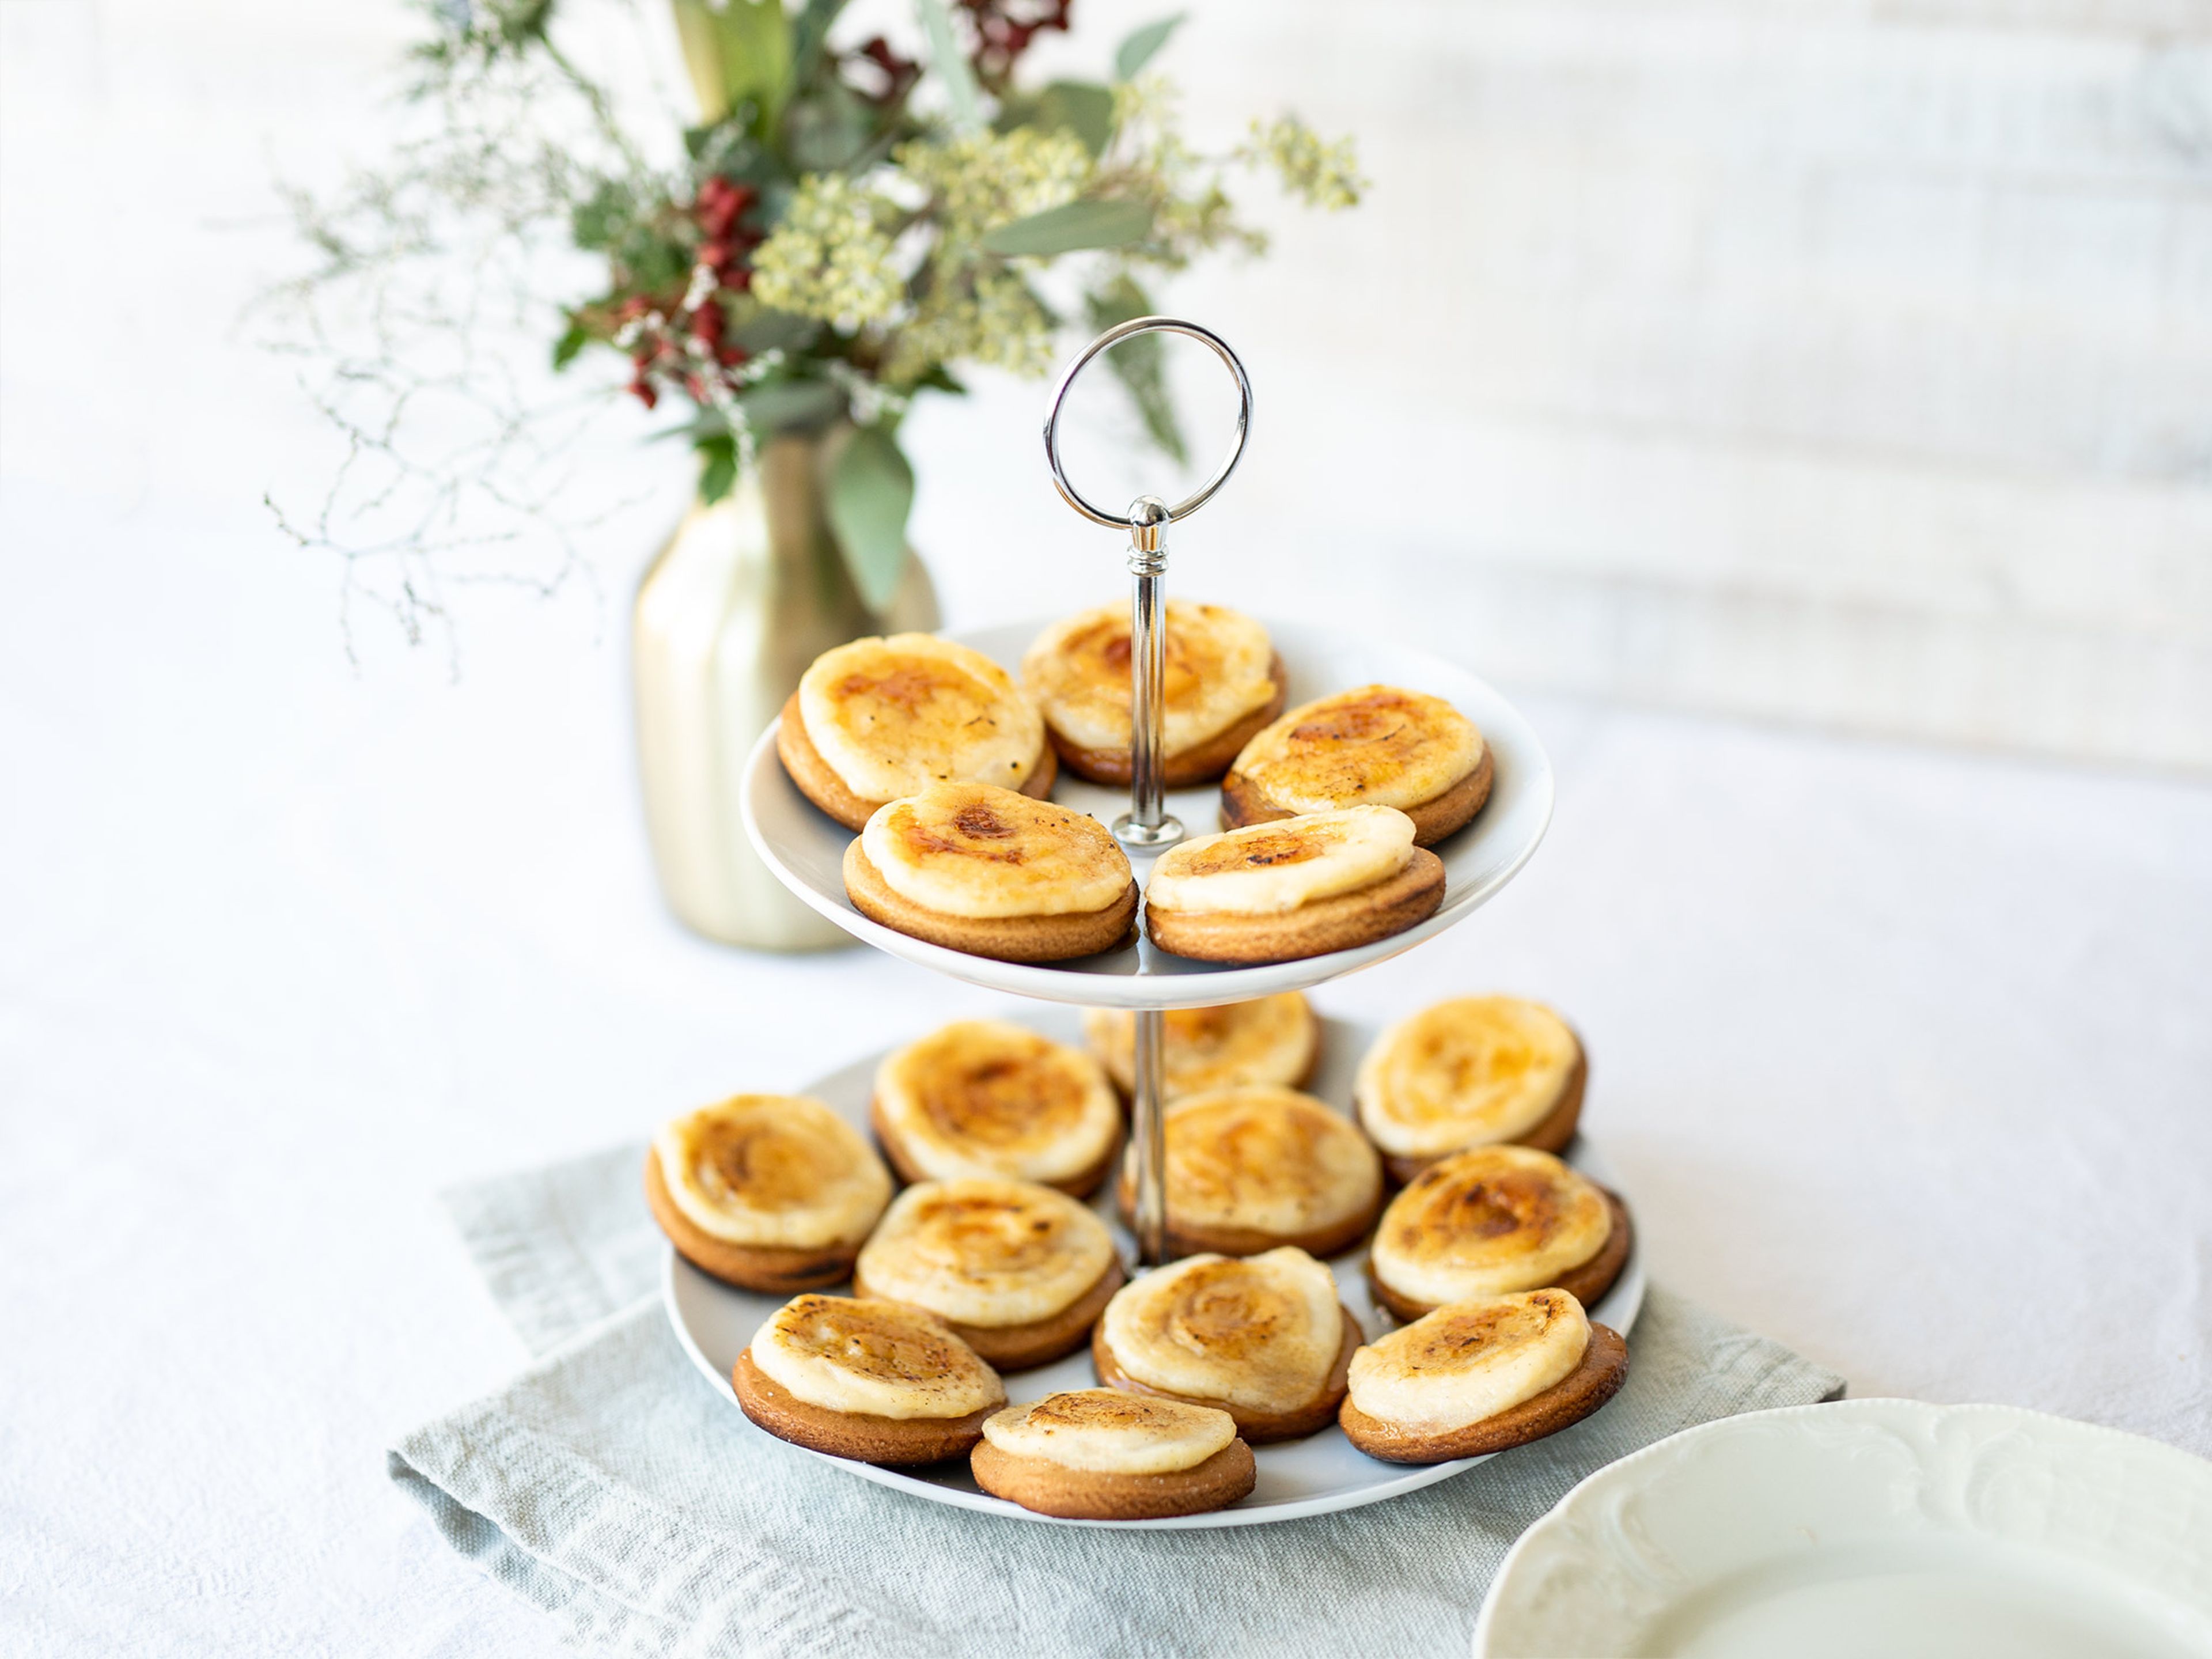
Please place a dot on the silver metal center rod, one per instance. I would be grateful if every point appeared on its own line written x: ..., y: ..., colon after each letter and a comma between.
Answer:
x: 1148, y: 1132
x: 1147, y: 826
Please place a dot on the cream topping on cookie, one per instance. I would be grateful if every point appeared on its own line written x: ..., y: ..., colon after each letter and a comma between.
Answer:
x: 1470, y: 1360
x: 1269, y: 1041
x: 1376, y: 745
x: 1271, y: 869
x: 1106, y: 1431
x: 1466, y: 1071
x: 772, y: 1170
x: 1488, y: 1221
x: 892, y: 716
x: 1262, y: 1333
x: 872, y: 1359
x: 987, y: 1253
x: 1218, y: 662
x: 971, y: 850
x: 984, y: 1098
x: 1271, y: 1159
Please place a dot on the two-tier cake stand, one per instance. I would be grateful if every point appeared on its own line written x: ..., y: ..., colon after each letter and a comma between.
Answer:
x: 806, y: 848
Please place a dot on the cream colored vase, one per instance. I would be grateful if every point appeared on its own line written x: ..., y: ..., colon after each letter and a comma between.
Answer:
x: 747, y: 593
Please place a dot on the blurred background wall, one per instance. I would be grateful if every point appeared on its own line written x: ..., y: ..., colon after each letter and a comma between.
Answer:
x: 1847, y: 364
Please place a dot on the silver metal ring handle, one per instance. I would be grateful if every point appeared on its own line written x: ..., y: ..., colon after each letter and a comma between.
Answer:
x: 1112, y: 336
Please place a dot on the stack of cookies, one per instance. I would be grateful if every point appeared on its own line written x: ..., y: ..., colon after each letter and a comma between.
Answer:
x: 988, y: 1262
x: 944, y: 766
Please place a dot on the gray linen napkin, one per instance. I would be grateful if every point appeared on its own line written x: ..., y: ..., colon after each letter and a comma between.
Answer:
x: 612, y: 1485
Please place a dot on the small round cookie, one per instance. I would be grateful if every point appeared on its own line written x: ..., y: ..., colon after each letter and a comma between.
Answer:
x: 988, y: 1098
x: 772, y: 1193
x: 879, y: 719
x: 1496, y: 1220
x: 1274, y: 1040
x: 1471, y: 1072
x: 1296, y: 888
x: 1481, y: 1376
x: 1223, y: 682
x: 1018, y: 1271
x: 1254, y: 1168
x: 876, y: 1382
x: 1376, y: 745
x: 994, y: 873
x: 1262, y: 1338
x: 1101, y: 1454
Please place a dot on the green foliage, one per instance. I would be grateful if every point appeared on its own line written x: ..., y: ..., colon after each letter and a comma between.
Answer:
x: 950, y: 66
x: 572, y: 340
x: 739, y: 56
x: 871, y: 493
x: 1071, y: 227
x: 1139, y: 363
x: 1136, y: 51
x: 717, y: 469
x: 1078, y: 106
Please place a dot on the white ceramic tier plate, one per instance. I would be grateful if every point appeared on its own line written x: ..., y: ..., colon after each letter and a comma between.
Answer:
x: 1883, y: 1527
x: 806, y: 846
x: 1312, y: 1476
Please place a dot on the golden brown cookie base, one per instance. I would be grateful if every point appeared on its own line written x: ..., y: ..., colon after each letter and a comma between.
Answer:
x: 820, y: 784
x: 1087, y: 1495
x: 1566, y: 1402
x: 865, y: 1439
x: 1127, y: 1091
x: 1586, y: 1281
x: 1006, y: 939
x: 1201, y: 763
x: 1551, y: 1133
x: 1024, y: 1348
x: 1242, y: 803
x: 1259, y: 1427
x: 1188, y: 1237
x: 1084, y: 1182
x: 1339, y: 922
x: 773, y: 1269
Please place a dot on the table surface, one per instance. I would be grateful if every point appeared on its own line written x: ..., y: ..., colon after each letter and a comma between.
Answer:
x: 1904, y: 1054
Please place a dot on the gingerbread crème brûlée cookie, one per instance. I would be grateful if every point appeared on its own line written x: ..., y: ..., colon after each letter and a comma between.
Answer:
x: 1262, y: 1338
x: 1495, y: 1219
x: 985, y: 1098
x: 1223, y: 682
x: 876, y: 1382
x: 1373, y: 746
x: 1254, y: 1168
x: 770, y: 1192
x: 1018, y: 1271
x: 1273, y: 1040
x: 1481, y: 1375
x: 994, y: 873
x: 1101, y: 1454
x: 1295, y: 888
x: 879, y: 720
x: 1471, y: 1072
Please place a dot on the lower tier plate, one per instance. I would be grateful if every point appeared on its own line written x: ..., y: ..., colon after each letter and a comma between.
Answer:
x: 1313, y: 1476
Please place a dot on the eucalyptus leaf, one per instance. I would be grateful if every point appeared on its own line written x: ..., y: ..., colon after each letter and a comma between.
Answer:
x: 827, y: 129
x: 785, y: 405
x: 718, y: 471
x: 871, y: 493
x: 810, y: 32
x: 1071, y: 226
x: 948, y: 64
x: 1138, y: 362
x: 1083, y: 109
x: 1134, y: 53
x: 775, y: 331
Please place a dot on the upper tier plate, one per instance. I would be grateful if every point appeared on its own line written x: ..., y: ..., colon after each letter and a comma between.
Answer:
x: 806, y: 846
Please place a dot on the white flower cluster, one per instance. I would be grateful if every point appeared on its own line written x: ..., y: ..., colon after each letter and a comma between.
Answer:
x: 831, y: 256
